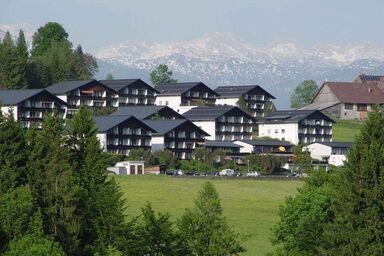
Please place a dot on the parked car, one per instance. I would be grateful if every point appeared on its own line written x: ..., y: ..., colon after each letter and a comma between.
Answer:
x: 293, y: 175
x: 253, y: 174
x: 174, y: 172
x: 227, y: 172
x: 192, y: 173
x: 236, y: 174
x: 212, y: 173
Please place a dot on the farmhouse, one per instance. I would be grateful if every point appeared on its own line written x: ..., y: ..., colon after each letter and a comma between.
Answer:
x: 222, y: 122
x: 31, y: 105
x: 120, y: 134
x: 183, y: 96
x: 332, y: 152
x: 257, y: 99
x: 89, y: 93
x: 346, y: 100
x: 297, y: 126
x: 132, y: 91
x: 180, y: 136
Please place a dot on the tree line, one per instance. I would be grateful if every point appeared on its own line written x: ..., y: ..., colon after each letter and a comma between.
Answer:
x: 339, y: 212
x: 56, y: 199
x: 51, y: 59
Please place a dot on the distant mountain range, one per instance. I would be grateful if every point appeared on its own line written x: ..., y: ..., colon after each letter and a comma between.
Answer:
x: 222, y: 59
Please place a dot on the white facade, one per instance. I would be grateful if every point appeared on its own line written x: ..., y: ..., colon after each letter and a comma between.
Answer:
x: 245, y: 147
x: 128, y: 168
x: 209, y: 127
x: 323, y: 152
x: 227, y: 101
x: 5, y: 110
x: 102, y: 137
x: 173, y: 102
x: 157, y: 142
x: 285, y: 131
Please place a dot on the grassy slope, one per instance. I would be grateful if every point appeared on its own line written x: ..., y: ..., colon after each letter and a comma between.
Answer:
x: 346, y: 130
x: 250, y: 205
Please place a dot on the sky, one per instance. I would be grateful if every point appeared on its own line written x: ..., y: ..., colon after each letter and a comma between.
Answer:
x: 98, y: 23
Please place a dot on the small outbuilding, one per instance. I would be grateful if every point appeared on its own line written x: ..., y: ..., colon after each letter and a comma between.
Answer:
x: 128, y: 168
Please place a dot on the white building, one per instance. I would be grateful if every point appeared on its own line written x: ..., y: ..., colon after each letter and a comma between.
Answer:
x: 29, y: 106
x: 332, y: 152
x: 128, y: 168
x: 297, y: 126
x: 256, y: 98
x: 90, y: 93
x: 182, y: 97
x: 276, y: 147
x: 222, y: 122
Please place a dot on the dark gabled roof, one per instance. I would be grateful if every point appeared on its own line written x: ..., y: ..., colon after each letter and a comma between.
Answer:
x: 220, y: 144
x: 105, y: 123
x: 66, y: 86
x: 209, y: 112
x: 141, y: 112
x: 12, y: 97
x: 292, y: 116
x: 164, y: 126
x: 118, y: 84
x: 267, y: 142
x: 179, y: 88
x: 239, y: 90
x: 336, y: 144
x: 354, y: 92
x: 370, y: 78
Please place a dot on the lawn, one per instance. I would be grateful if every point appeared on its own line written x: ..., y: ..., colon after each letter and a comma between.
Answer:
x: 250, y: 205
x: 346, y: 130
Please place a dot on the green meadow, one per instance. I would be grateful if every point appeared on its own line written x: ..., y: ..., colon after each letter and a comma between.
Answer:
x: 346, y: 130
x: 249, y: 205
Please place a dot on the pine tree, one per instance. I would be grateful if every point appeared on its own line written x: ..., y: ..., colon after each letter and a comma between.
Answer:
x: 359, y: 195
x: 54, y: 187
x: 22, y: 56
x: 204, y: 231
x: 13, y: 154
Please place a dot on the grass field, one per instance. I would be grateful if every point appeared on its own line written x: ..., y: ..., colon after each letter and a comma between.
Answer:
x: 346, y: 130
x: 250, y: 205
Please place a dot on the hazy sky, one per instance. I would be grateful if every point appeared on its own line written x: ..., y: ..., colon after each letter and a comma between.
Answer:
x: 98, y: 23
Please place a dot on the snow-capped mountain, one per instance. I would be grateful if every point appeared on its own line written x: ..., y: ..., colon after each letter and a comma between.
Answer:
x: 222, y: 59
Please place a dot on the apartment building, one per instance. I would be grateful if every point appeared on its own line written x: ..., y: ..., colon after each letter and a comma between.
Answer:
x: 297, y: 126
x: 120, y: 134
x: 180, y: 136
x: 183, y: 96
x: 222, y: 122
x: 89, y: 93
x: 29, y: 106
x: 258, y: 100
x: 276, y: 147
x: 132, y: 91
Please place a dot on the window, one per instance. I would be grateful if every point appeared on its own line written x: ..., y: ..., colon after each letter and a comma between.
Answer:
x: 160, y: 103
x: 361, y: 107
x: 166, y: 103
x: 348, y: 106
x: 282, y: 130
x: 276, y: 130
x: 269, y: 131
x: 282, y: 138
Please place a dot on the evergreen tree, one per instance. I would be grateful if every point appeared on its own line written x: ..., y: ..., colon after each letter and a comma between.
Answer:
x: 13, y: 154
x: 12, y: 67
x: 109, y: 77
x: 84, y: 65
x: 359, y: 195
x: 22, y: 55
x: 302, y: 160
x: 162, y: 75
x: 204, y: 231
x: 156, y: 233
x: 241, y: 104
x: 54, y: 187
x: 102, y: 207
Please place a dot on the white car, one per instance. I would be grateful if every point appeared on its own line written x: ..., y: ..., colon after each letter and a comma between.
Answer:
x: 253, y: 174
x: 227, y: 172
